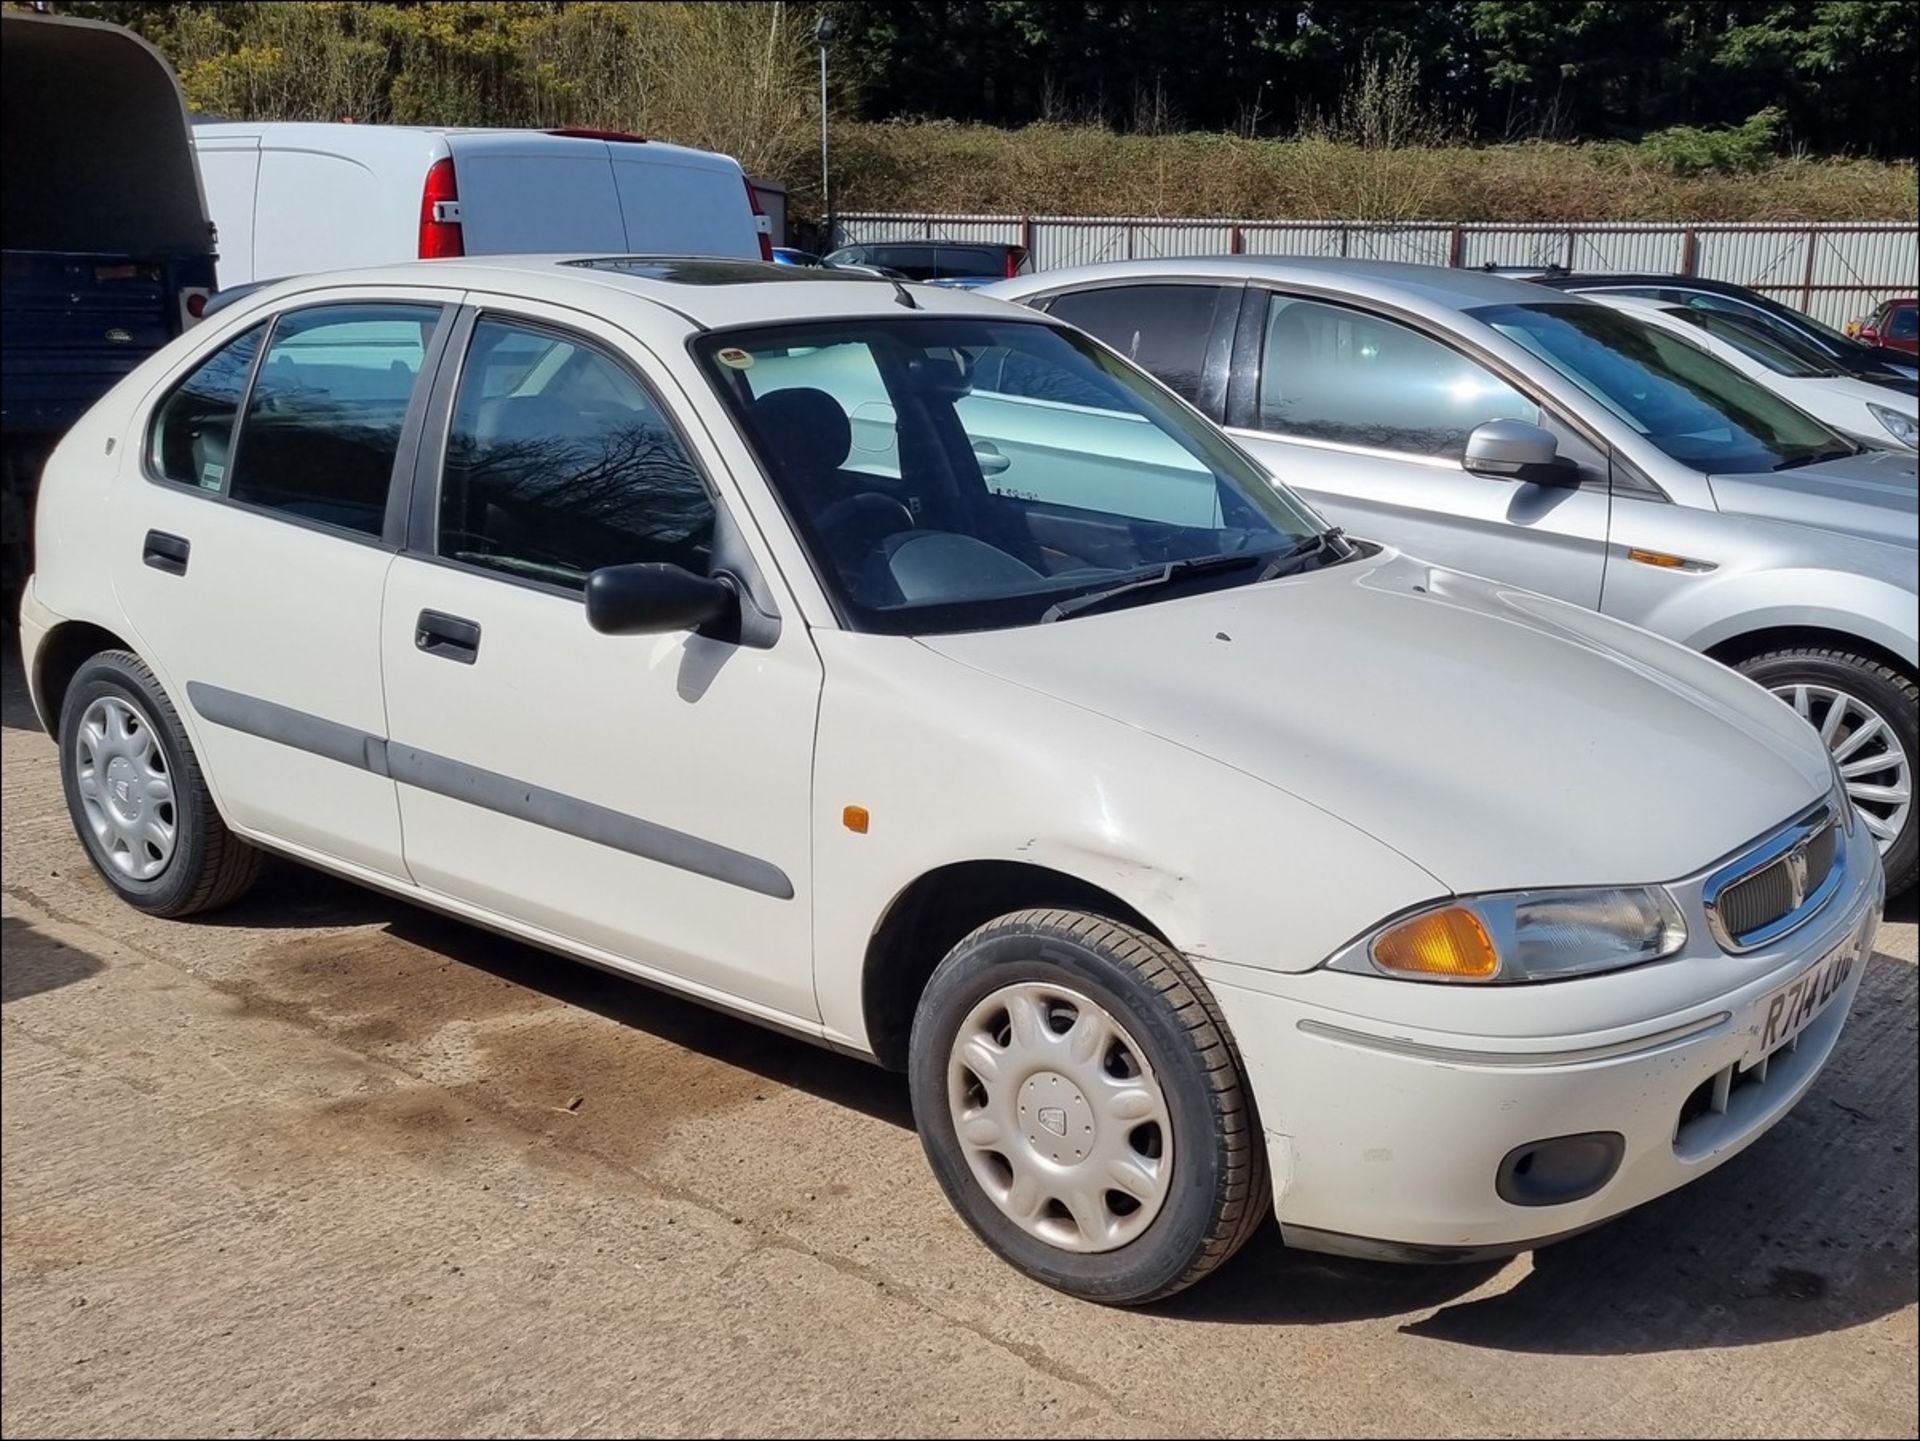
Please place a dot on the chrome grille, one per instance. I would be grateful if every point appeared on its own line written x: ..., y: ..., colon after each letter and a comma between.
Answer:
x: 1777, y: 885
x: 1759, y: 900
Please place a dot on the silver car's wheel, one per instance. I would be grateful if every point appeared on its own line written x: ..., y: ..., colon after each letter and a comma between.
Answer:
x: 1060, y: 1117
x: 1874, y: 766
x: 125, y: 789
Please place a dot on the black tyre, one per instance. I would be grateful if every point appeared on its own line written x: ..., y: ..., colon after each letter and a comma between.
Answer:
x: 1083, y: 1107
x: 135, y: 793
x: 1869, y: 714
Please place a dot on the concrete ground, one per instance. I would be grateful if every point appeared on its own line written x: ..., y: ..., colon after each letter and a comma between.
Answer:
x: 327, y: 1165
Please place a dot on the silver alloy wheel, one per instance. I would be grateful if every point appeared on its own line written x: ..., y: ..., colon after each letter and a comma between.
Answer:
x: 1061, y: 1119
x: 125, y: 790
x: 1873, y: 764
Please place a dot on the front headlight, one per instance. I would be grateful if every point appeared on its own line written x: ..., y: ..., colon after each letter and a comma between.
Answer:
x: 1525, y: 936
x: 1901, y: 427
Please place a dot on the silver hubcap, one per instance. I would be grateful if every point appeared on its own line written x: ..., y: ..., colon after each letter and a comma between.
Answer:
x: 1873, y: 763
x: 1060, y: 1117
x: 125, y: 789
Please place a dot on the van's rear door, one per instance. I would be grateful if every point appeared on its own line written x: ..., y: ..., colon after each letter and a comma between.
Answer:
x: 683, y: 202
x: 524, y: 191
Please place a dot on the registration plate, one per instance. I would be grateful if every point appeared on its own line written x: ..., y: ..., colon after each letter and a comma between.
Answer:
x: 1798, y: 1004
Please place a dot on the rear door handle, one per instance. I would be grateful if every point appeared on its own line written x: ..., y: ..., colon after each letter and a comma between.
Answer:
x: 447, y: 636
x: 166, y: 552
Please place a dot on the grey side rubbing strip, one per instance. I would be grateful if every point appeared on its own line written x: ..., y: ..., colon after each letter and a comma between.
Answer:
x: 289, y: 727
x: 492, y: 791
x: 487, y: 789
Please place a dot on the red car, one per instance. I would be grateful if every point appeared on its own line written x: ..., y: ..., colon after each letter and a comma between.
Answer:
x: 1896, y: 324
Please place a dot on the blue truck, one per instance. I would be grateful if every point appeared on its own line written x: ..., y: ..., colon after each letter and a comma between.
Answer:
x: 108, y: 253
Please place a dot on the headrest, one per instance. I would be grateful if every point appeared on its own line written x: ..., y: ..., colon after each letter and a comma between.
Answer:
x: 805, y: 431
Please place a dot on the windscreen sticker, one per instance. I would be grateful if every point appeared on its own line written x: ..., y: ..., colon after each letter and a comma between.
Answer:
x: 734, y: 357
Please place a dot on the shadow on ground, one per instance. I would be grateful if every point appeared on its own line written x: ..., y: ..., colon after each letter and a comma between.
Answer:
x: 31, y: 963
x: 1810, y: 1230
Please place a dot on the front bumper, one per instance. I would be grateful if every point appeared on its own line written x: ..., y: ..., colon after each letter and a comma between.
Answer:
x: 1387, y: 1141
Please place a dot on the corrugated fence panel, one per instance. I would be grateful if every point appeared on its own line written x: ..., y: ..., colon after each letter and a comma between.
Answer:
x: 1412, y: 244
x: 1837, y: 307
x: 1607, y: 249
x: 1833, y: 271
x: 1200, y: 237
x: 1058, y: 244
x: 1292, y: 239
x: 1774, y: 261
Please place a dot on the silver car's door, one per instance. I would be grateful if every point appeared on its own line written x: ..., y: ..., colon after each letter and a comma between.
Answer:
x: 1368, y: 418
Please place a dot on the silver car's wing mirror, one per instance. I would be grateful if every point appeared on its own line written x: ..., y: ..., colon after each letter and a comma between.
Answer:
x: 1518, y: 450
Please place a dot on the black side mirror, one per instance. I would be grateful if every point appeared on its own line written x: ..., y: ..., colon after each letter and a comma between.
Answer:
x: 652, y: 598
x: 1518, y: 450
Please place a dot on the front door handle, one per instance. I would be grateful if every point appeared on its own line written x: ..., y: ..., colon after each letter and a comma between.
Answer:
x: 447, y: 636
x: 991, y: 461
x: 166, y: 552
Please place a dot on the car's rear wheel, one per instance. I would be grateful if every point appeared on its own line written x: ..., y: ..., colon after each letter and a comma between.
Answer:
x: 135, y: 793
x: 1083, y: 1106
x: 1869, y: 716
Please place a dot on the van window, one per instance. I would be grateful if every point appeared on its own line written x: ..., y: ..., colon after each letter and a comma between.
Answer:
x: 193, y: 434
x: 327, y: 409
x: 559, y: 462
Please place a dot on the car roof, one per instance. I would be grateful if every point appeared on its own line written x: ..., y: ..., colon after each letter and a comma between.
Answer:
x: 704, y: 292
x: 351, y: 136
x: 1436, y: 286
x: 1563, y: 280
x: 920, y: 242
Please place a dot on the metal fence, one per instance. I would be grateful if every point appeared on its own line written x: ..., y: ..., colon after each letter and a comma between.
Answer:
x: 1831, y: 271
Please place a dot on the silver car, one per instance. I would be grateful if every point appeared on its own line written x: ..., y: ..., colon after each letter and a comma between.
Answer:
x: 1533, y: 437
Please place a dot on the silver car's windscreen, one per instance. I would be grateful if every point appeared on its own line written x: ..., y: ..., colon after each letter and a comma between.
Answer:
x: 949, y: 474
x: 1692, y: 405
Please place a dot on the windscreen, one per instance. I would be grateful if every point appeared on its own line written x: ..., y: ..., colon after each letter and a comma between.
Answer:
x: 1692, y: 405
x: 953, y: 474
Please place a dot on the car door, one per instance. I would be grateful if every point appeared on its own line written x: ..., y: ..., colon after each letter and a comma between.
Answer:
x: 253, y: 564
x: 1368, y: 417
x: 644, y: 797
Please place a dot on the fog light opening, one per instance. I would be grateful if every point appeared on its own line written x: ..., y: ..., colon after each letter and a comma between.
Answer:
x: 1562, y: 1169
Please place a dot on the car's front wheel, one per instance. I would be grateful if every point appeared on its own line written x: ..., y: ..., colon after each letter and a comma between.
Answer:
x: 135, y: 793
x: 1869, y: 716
x: 1083, y: 1107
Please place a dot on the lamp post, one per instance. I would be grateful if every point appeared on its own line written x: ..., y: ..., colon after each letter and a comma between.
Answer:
x: 823, y: 36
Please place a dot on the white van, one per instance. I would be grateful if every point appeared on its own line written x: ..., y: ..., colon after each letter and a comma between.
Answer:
x: 293, y: 198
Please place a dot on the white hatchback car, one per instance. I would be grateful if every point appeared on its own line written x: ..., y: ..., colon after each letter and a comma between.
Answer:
x: 1880, y: 411
x: 1191, y: 859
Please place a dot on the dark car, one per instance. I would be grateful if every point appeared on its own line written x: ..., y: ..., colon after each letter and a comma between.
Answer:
x: 1869, y: 362
x: 947, y: 260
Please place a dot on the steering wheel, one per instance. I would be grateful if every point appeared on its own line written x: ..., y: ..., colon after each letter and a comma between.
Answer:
x: 868, y: 517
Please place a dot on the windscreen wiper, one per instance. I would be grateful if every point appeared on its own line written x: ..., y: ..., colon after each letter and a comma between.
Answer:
x: 1295, y: 555
x: 1818, y: 457
x: 1173, y: 570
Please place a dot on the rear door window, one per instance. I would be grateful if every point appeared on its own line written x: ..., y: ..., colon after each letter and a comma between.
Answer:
x: 193, y: 433
x: 329, y: 402
x: 1164, y: 329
